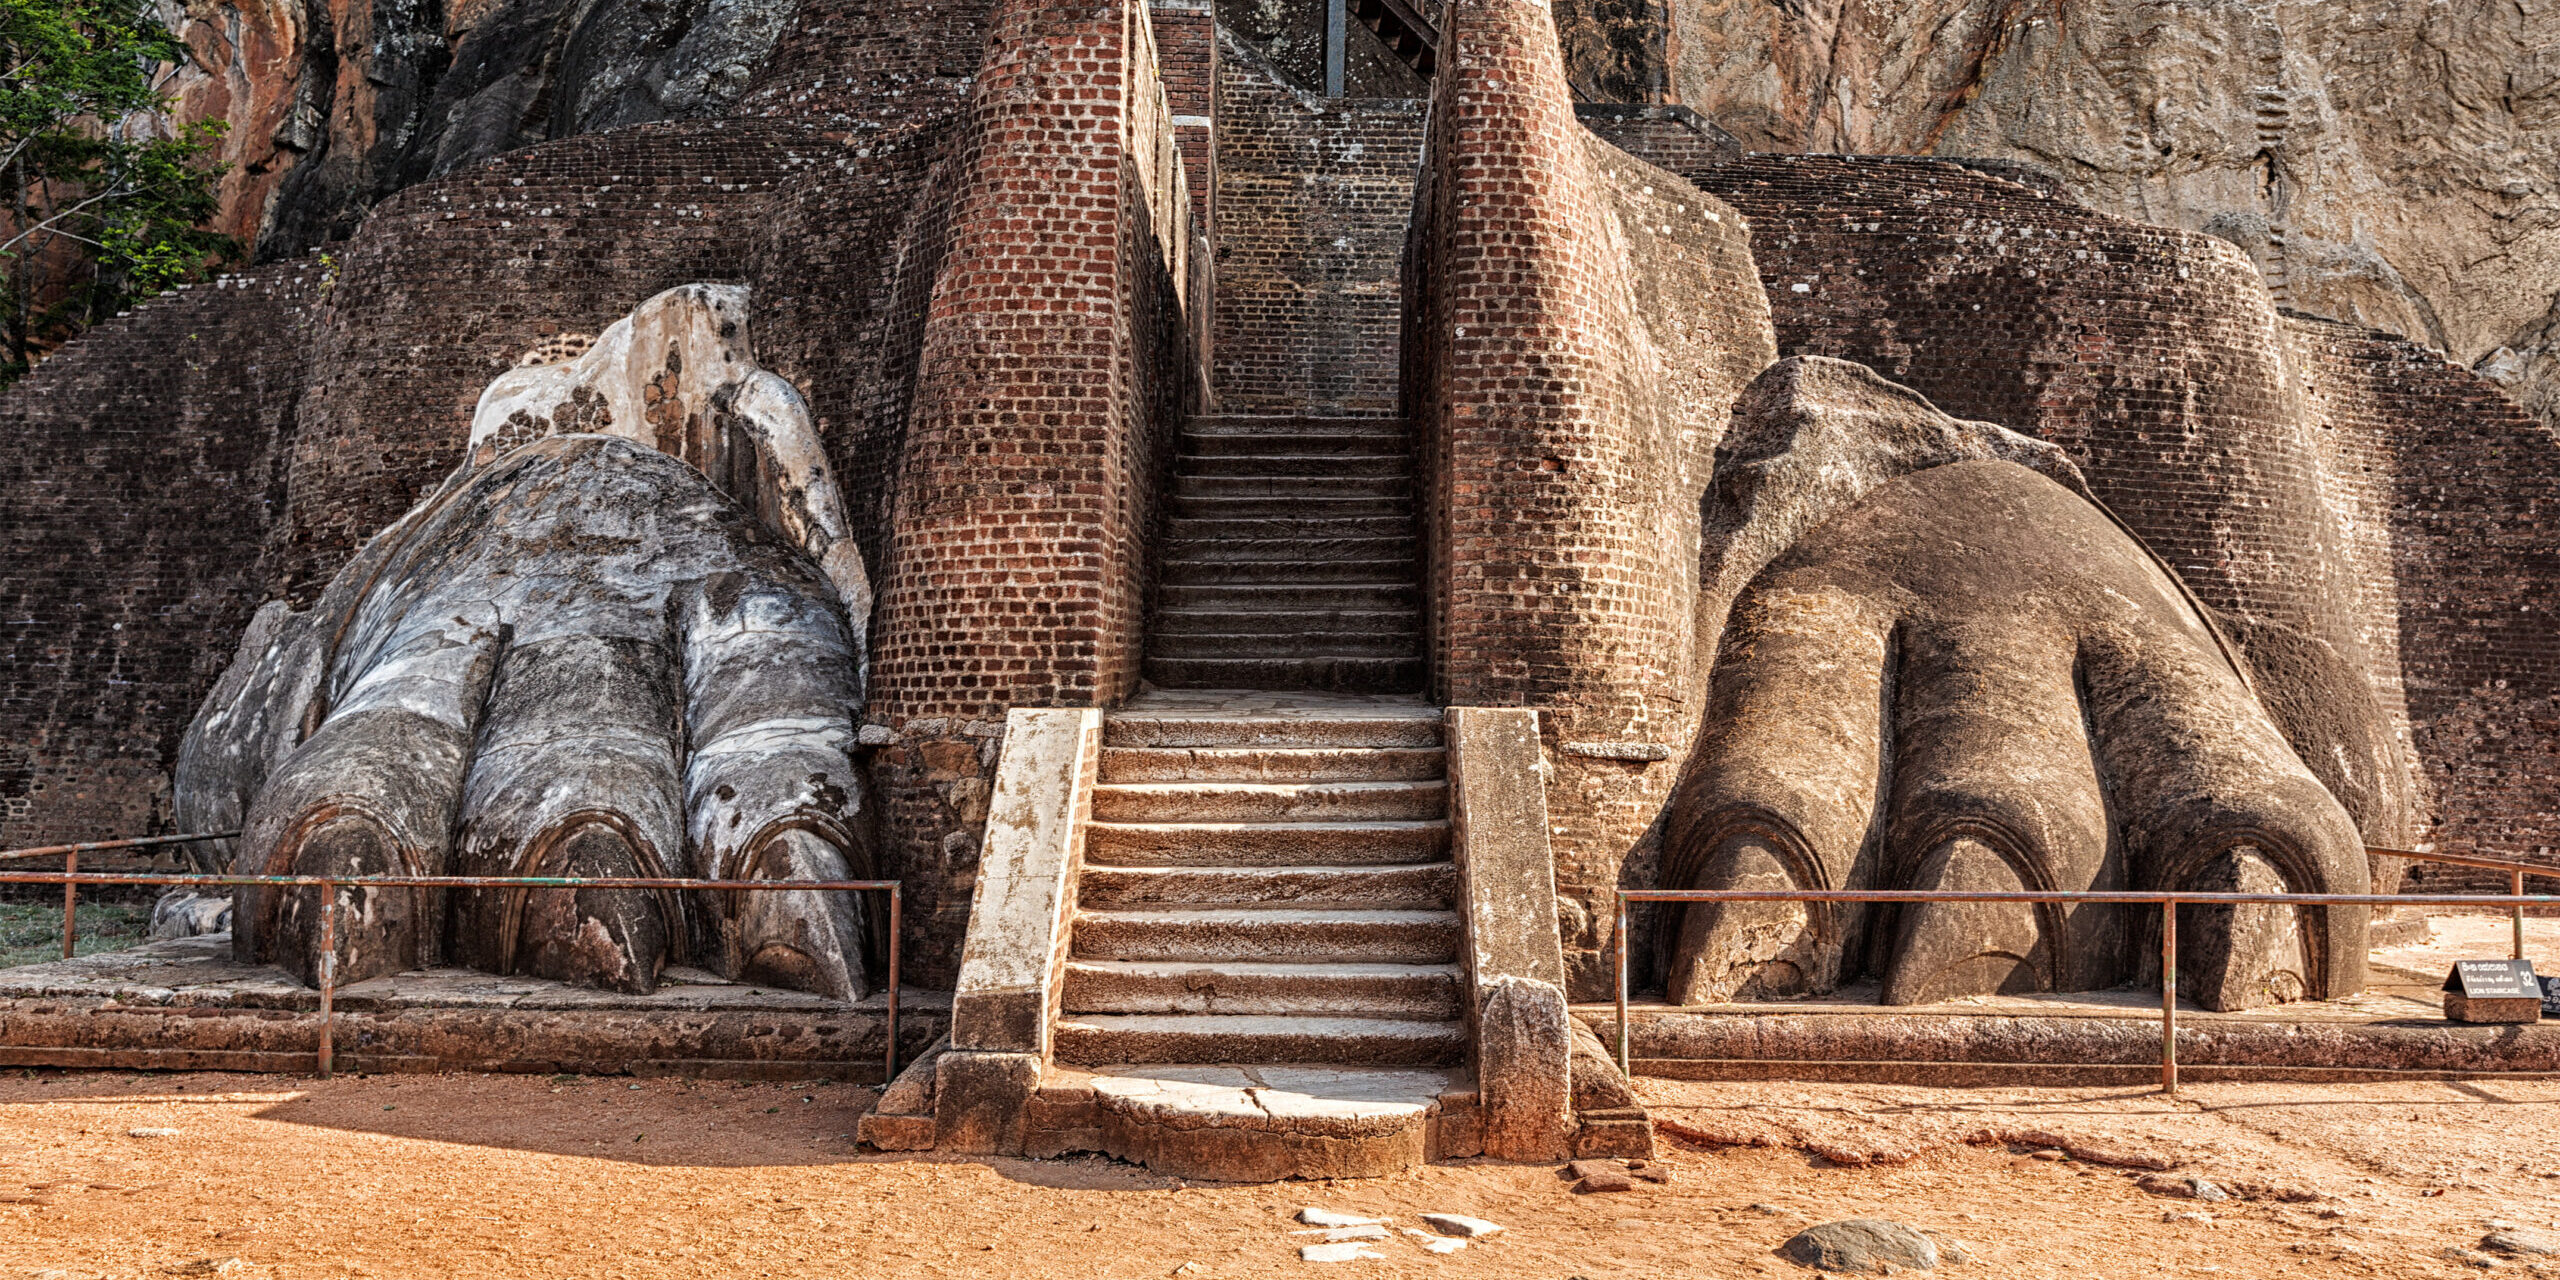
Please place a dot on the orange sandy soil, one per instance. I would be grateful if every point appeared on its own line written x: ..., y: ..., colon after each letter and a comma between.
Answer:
x: 470, y: 1176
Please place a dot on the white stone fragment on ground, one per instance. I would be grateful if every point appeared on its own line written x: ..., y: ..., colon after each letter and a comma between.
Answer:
x: 2173, y: 1215
x: 1370, y: 1231
x: 1315, y: 1217
x: 1459, y: 1224
x: 1346, y: 1251
x: 151, y: 1133
x: 1435, y: 1244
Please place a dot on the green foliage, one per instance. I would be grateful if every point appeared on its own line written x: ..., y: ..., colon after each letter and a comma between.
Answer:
x: 105, y: 206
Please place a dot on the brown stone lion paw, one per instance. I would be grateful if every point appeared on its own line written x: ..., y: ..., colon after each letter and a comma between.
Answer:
x: 1948, y: 668
x: 588, y: 655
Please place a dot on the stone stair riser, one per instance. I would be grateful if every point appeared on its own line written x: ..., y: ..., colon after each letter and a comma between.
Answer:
x: 1096, y: 1040
x: 1333, y: 674
x: 1273, y: 764
x: 1336, y: 465
x: 1160, y: 730
x: 1417, y: 992
x: 1265, y: 845
x: 1369, y: 597
x: 1270, y: 802
x: 1424, y: 887
x: 1391, y: 937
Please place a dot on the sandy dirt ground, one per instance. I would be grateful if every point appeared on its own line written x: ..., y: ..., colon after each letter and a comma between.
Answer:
x: 474, y: 1176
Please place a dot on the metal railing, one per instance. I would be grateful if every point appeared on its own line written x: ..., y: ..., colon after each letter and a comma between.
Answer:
x: 2516, y: 872
x: 326, y: 1051
x: 2168, y: 902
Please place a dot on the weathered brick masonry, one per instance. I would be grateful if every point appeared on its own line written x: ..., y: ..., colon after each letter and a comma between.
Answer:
x: 147, y: 461
x: 1054, y: 377
x: 1313, y: 196
x: 1579, y: 325
x: 2470, y: 486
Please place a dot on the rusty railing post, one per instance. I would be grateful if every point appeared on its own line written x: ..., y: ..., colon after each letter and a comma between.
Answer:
x: 2515, y: 885
x: 328, y: 974
x: 1625, y: 1064
x: 71, y: 900
x: 890, y: 1068
x: 2169, y: 996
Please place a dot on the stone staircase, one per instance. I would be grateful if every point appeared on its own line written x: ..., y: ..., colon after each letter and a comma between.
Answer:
x: 1266, y: 889
x: 1290, y: 561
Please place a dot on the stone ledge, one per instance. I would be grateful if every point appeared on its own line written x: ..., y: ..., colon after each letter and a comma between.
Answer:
x: 185, y: 1005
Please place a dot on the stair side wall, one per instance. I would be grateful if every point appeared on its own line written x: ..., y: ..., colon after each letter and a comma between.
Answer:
x: 1313, y: 195
x: 1579, y: 324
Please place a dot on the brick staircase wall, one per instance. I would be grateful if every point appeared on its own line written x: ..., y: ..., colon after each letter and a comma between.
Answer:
x: 1580, y: 325
x: 1313, y: 195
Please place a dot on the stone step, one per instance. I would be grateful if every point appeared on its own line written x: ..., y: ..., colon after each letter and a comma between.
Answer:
x: 1402, y: 643
x: 1398, y: 727
x: 1272, y: 764
x: 1264, y: 844
x: 1317, y: 486
x: 1285, y: 622
x: 1195, y: 571
x: 1271, y: 801
x: 1231, y: 597
x: 1259, y: 424
x: 1357, y: 438
x: 1323, y: 935
x: 1398, y: 548
x: 1157, y: 1037
x: 1282, y: 528
x: 1294, y: 464
x: 1430, y: 886
x: 1293, y: 507
x: 1427, y: 992
x: 1336, y: 674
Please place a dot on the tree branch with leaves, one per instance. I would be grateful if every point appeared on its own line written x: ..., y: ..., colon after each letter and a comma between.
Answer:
x: 107, y: 200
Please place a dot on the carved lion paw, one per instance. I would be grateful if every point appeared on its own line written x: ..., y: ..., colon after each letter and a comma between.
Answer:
x: 1950, y: 670
x: 623, y: 650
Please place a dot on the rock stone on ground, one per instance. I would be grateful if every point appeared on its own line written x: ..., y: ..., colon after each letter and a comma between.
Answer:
x: 1861, y: 1246
x: 1459, y: 1224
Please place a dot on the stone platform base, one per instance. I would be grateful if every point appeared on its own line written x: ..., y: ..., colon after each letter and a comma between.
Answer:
x: 186, y: 1005
x: 1258, y: 1123
x: 2395, y: 1031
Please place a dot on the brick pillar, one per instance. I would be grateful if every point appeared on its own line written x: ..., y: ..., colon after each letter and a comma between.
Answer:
x: 1578, y: 325
x: 1015, y: 570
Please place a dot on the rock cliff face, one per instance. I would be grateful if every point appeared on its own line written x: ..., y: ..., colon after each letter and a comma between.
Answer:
x: 2393, y: 165
x: 334, y: 104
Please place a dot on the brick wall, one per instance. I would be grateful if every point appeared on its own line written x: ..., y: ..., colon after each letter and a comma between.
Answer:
x: 147, y: 462
x: 1187, y: 62
x: 1313, y: 196
x: 449, y: 282
x: 2470, y: 486
x: 1053, y: 376
x: 1580, y: 324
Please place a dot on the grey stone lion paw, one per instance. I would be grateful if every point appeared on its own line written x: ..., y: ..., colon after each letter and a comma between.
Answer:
x: 623, y: 640
x: 1945, y: 666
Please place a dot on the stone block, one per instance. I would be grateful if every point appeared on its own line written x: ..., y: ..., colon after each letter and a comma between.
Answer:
x: 1017, y: 940
x: 980, y: 1101
x: 896, y: 1133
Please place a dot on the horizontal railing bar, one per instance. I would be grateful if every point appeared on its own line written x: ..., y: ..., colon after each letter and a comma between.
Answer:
x: 2465, y: 860
x: 432, y: 882
x: 137, y: 842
